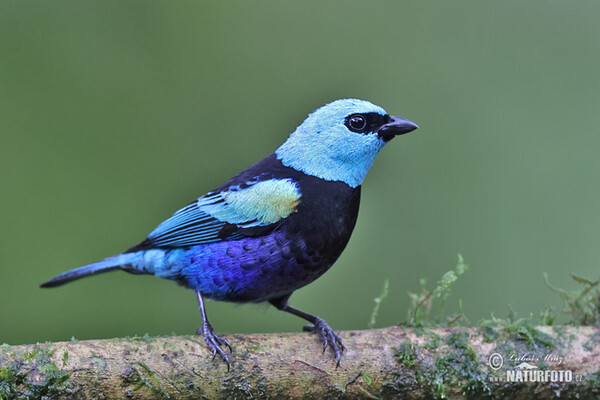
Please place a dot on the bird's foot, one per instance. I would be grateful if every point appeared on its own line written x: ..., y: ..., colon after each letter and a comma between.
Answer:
x: 215, y: 342
x: 328, y: 337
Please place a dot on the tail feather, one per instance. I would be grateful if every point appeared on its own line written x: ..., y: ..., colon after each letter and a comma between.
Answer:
x: 108, y: 264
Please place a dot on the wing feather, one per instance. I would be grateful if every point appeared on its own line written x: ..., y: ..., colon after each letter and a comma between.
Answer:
x: 258, y: 204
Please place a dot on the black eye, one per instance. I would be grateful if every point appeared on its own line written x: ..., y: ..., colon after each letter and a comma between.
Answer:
x: 356, y: 122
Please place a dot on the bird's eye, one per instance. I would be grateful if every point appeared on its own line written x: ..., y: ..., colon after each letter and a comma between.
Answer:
x: 356, y: 122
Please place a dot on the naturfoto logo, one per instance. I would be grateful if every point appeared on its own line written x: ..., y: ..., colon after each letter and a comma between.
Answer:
x: 524, y: 368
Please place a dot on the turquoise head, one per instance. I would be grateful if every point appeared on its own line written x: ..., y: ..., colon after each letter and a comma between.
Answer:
x: 339, y: 141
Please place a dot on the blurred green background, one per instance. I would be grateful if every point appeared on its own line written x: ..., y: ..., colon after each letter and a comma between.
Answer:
x: 115, y: 114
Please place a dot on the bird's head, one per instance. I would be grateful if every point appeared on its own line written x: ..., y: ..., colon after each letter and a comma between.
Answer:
x: 339, y: 141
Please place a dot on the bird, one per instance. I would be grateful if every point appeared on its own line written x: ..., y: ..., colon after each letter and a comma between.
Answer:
x: 273, y: 228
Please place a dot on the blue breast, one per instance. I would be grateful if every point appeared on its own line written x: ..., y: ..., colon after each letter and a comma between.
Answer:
x: 250, y: 269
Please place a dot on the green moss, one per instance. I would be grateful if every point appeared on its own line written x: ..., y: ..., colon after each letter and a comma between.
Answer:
x: 592, y: 341
x: 31, y: 374
x: 459, y: 368
x: 433, y: 340
x: 547, y: 316
x: 241, y: 384
x: 140, y: 375
x: 65, y: 358
x: 378, y: 300
x: 419, y: 312
x: 406, y: 353
x: 593, y: 384
x: 367, y: 378
x: 146, y: 338
x: 254, y: 347
x: 257, y: 346
x: 519, y: 329
x: 583, y: 304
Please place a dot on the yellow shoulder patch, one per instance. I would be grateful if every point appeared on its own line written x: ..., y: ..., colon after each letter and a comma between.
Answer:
x: 262, y: 203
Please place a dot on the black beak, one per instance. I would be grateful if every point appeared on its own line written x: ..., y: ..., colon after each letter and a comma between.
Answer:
x: 396, y: 126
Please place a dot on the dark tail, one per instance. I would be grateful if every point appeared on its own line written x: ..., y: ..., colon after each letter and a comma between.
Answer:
x: 108, y: 264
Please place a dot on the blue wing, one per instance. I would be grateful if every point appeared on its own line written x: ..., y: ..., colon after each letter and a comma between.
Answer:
x: 212, y: 217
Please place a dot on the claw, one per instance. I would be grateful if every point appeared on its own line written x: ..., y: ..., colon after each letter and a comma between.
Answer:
x: 215, y: 342
x: 226, y: 343
x: 328, y: 337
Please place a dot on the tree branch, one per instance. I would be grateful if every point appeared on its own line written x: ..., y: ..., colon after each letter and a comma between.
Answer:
x: 383, y: 363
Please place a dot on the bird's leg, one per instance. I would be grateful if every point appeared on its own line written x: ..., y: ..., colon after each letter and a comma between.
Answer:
x: 319, y: 326
x: 213, y: 341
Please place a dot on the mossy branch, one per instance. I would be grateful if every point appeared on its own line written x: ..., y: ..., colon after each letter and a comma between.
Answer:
x: 392, y: 362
